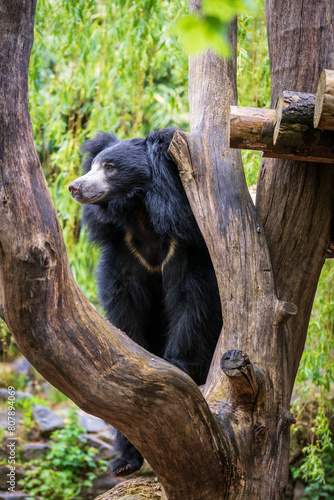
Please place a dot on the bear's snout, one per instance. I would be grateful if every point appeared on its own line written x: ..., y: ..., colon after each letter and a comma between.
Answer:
x: 75, y: 188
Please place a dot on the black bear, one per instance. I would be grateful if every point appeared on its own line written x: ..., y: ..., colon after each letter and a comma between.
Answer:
x: 155, y: 277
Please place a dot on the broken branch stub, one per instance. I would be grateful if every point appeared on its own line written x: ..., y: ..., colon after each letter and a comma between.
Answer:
x: 242, y: 378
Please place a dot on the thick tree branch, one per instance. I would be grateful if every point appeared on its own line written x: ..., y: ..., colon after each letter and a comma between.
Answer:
x: 154, y: 404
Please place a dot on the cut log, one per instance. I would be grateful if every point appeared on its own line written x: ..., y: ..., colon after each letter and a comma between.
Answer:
x: 294, y: 115
x: 253, y: 128
x: 324, y: 103
x: 294, y: 131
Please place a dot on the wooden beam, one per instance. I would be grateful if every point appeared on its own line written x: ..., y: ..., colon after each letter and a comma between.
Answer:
x: 253, y: 128
x: 294, y: 131
x: 294, y: 116
x: 324, y: 103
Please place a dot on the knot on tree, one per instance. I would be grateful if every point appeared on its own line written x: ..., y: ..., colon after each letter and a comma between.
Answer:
x: 260, y: 432
x: 41, y: 257
x: 285, y: 421
x: 237, y: 367
x: 283, y: 311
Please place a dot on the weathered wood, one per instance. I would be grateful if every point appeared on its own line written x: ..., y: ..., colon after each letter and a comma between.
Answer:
x: 214, y: 180
x: 241, y: 452
x: 158, y: 407
x: 251, y: 128
x: 241, y: 375
x: 324, y: 103
x: 295, y: 200
x: 294, y: 114
x: 286, y: 133
x: 330, y: 248
x: 138, y: 488
x: 294, y: 131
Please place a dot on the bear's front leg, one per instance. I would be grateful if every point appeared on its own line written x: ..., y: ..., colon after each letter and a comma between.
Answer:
x: 129, y: 461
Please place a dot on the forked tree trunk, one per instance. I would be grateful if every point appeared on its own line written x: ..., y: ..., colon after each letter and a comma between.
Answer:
x: 237, y: 445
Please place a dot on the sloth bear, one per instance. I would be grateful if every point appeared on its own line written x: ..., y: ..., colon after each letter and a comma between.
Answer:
x: 155, y: 277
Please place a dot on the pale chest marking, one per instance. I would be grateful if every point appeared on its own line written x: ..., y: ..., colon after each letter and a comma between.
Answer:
x: 144, y: 262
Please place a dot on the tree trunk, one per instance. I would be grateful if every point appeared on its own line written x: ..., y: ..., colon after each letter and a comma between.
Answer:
x: 295, y: 207
x: 239, y: 449
x: 251, y: 403
x: 295, y: 199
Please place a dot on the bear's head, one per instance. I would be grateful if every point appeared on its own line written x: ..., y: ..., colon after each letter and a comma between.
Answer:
x: 119, y: 169
x: 123, y: 176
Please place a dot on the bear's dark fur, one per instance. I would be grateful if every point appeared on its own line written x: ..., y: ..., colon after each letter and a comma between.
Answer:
x: 155, y: 277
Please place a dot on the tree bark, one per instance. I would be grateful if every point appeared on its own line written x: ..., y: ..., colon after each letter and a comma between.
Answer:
x: 324, y: 104
x: 295, y: 199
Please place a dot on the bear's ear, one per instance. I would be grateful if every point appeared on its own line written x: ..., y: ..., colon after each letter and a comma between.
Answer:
x: 157, y: 144
x: 94, y: 146
x: 165, y: 199
x: 162, y: 137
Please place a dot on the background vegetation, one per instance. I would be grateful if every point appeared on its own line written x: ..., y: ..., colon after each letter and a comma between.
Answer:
x: 107, y: 65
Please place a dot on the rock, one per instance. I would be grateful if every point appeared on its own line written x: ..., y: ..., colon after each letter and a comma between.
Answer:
x: 105, y: 451
x: 17, y: 496
x: 4, y: 420
x: 4, y: 448
x: 22, y: 367
x: 135, y: 489
x: 18, y: 394
x: 91, y: 424
x: 100, y: 485
x: 47, y: 420
x: 145, y: 471
x: 4, y: 471
x: 35, y: 451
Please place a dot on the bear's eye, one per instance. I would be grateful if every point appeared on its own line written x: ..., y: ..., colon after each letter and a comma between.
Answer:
x: 109, y: 166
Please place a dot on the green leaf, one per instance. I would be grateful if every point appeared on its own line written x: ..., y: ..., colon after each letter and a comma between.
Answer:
x: 227, y: 10
x: 199, y: 33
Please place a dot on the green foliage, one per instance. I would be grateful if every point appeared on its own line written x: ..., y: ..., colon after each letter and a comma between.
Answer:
x: 253, y: 72
x: 314, y: 382
x: 99, y: 65
x: 209, y: 30
x: 68, y: 466
x: 9, y: 378
x: 321, y: 485
x: 8, y: 349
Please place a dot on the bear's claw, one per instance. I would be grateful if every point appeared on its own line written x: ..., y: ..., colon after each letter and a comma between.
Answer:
x: 122, y: 467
